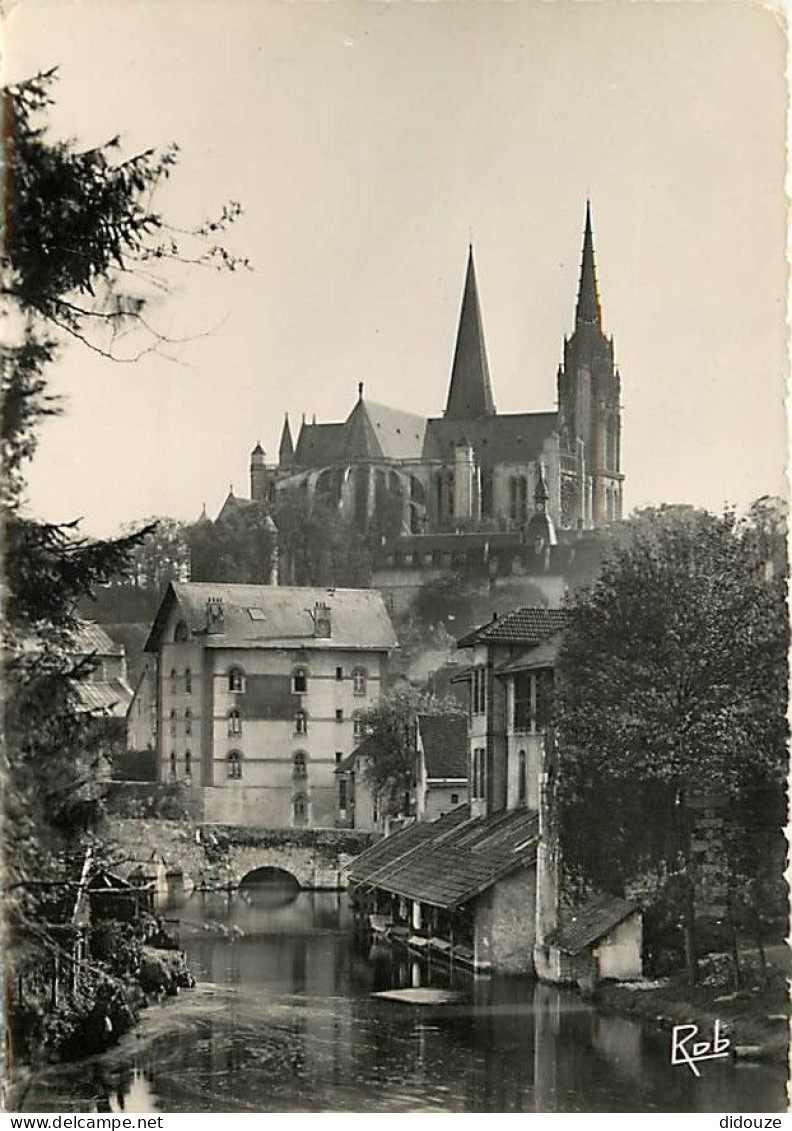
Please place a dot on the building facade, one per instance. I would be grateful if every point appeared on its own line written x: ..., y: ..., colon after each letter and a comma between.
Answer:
x: 472, y: 468
x: 260, y: 691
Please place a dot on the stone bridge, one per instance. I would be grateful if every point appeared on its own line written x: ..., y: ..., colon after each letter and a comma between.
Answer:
x: 215, y: 856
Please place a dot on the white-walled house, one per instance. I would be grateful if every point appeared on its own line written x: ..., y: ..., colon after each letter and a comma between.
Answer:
x: 260, y: 690
x: 441, y: 778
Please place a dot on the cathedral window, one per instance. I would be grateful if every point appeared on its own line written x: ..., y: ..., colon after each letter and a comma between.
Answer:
x: 518, y: 499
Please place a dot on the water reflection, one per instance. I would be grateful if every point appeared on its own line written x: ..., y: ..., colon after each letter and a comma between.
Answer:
x: 283, y: 1020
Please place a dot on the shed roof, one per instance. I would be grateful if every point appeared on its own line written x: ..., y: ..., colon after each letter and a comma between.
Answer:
x: 445, y: 747
x: 110, y: 698
x: 452, y: 860
x: 91, y: 638
x: 590, y: 923
x: 280, y: 618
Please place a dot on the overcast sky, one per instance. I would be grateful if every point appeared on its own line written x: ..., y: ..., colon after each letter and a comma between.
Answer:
x: 366, y: 142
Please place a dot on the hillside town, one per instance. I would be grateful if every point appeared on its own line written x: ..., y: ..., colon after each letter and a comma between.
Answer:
x: 425, y: 750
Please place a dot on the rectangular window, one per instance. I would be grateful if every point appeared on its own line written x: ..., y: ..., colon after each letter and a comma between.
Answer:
x: 479, y: 690
x: 522, y: 701
x: 544, y: 698
x: 342, y: 794
x: 339, y: 673
x: 338, y: 756
x: 339, y: 715
x: 454, y: 798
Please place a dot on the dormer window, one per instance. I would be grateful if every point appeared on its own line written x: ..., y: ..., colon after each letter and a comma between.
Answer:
x: 236, y: 679
x: 299, y: 681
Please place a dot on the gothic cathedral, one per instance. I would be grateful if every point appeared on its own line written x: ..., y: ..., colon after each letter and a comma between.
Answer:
x: 473, y: 469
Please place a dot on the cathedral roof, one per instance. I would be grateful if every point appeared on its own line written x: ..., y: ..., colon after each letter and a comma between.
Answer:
x: 511, y: 438
x: 589, y: 309
x: 377, y: 431
x: 286, y: 449
x: 470, y: 391
x: 318, y: 444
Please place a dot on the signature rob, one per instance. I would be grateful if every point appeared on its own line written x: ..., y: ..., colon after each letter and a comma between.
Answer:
x: 686, y: 1050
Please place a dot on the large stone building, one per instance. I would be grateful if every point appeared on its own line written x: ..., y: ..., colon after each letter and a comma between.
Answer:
x: 259, y: 695
x: 473, y: 468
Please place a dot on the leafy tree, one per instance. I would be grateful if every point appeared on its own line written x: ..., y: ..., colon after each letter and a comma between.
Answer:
x: 162, y: 556
x: 241, y: 547
x: 672, y: 681
x: 390, y: 727
x: 82, y: 240
x: 317, y: 545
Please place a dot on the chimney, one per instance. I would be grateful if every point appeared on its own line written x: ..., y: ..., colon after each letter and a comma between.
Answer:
x: 322, y: 620
x: 215, y: 616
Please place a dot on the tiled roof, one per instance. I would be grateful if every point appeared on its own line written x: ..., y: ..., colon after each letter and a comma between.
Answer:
x: 450, y: 861
x: 516, y: 438
x: 281, y: 617
x: 445, y: 746
x: 588, y: 924
x: 528, y: 625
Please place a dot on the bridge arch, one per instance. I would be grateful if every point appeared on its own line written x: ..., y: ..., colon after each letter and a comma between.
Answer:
x: 267, y: 875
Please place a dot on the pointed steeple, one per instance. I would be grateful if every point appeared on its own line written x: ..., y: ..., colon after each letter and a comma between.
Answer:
x: 470, y: 391
x: 286, y: 449
x: 589, y: 310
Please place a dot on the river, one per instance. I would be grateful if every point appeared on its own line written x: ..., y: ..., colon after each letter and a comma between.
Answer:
x: 283, y: 1019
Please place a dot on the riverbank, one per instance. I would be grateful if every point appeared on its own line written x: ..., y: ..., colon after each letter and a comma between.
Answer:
x: 756, y: 1020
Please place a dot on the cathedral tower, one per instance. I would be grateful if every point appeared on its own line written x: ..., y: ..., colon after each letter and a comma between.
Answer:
x: 589, y: 389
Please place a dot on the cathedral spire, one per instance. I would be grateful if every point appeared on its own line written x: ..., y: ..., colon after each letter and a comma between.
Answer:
x: 286, y: 449
x: 470, y: 391
x: 589, y: 310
